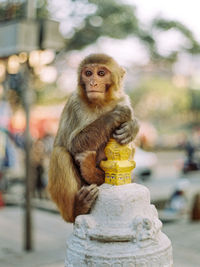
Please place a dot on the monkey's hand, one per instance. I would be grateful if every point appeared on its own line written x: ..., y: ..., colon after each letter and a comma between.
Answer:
x: 84, y: 199
x: 121, y: 114
x: 89, y: 171
x: 126, y: 132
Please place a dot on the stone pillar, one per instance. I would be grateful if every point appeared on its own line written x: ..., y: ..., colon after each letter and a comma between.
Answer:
x: 122, y: 230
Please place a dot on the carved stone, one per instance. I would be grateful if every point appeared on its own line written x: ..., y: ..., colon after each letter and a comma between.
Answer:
x: 122, y: 229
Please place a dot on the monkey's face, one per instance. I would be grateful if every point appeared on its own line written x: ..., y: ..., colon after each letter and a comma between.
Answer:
x: 97, y: 80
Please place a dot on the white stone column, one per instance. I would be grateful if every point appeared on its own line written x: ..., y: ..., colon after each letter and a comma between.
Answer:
x: 122, y: 230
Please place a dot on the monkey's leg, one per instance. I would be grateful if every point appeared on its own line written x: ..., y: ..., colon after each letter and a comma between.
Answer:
x: 90, y: 173
x: 85, y: 198
x: 64, y: 182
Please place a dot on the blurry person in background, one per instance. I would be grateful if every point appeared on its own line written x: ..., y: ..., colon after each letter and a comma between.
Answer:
x: 190, y: 150
x: 8, y: 159
x: 37, y: 164
x: 191, y: 163
x: 178, y: 202
x: 2, y: 158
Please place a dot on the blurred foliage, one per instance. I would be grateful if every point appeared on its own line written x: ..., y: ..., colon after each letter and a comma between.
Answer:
x: 118, y: 20
x: 17, y: 9
x: 9, y: 10
x: 42, y: 9
x: 110, y: 19
x: 195, y: 100
x: 157, y: 99
x: 113, y: 19
x: 46, y: 94
x: 98, y: 18
x: 165, y: 25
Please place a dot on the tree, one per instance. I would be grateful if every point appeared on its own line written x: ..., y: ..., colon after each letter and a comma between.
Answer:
x: 109, y: 19
x: 112, y: 19
x: 165, y: 25
x: 159, y: 100
x: 96, y: 18
x: 10, y: 10
x: 118, y: 20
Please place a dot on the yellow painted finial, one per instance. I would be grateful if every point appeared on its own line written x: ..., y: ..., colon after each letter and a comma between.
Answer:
x: 117, y: 167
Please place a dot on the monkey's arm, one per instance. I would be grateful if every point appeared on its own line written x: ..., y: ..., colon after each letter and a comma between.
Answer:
x: 88, y: 162
x: 88, y: 142
x: 100, y: 131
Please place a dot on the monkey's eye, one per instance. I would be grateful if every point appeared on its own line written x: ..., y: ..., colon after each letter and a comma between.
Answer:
x: 88, y: 73
x: 101, y: 73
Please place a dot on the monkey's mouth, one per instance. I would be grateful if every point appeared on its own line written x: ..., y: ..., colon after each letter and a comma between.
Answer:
x: 95, y: 91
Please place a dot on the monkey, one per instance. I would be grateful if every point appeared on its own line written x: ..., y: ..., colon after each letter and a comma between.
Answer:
x: 98, y: 110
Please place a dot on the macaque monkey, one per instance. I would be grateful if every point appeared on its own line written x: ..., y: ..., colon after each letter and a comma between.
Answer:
x: 97, y: 111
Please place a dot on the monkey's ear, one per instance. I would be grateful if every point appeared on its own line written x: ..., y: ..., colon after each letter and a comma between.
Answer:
x: 122, y: 72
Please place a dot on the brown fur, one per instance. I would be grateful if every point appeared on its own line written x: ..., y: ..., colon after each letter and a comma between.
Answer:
x: 114, y: 93
x: 64, y: 182
x: 83, y: 133
x: 91, y: 173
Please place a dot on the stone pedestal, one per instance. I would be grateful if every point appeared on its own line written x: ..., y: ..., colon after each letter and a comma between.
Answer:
x: 122, y: 230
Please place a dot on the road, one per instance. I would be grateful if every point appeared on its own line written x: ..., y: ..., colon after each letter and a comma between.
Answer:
x: 167, y: 176
x: 50, y: 233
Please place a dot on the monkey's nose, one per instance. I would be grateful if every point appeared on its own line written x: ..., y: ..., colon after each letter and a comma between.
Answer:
x: 93, y: 83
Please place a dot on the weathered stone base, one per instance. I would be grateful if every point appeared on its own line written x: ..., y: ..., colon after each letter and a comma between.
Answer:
x: 123, y: 230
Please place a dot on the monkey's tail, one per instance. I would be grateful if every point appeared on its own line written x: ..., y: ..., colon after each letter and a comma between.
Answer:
x: 63, y: 182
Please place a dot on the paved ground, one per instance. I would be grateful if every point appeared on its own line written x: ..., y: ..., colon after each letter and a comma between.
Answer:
x: 50, y: 234
x: 185, y: 237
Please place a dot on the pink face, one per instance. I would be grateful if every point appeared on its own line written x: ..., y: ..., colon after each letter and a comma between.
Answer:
x: 96, y: 79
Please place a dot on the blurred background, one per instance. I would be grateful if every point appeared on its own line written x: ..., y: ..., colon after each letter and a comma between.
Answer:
x: 41, y: 45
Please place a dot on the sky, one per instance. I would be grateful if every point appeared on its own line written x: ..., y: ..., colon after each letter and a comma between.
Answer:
x: 187, y: 11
